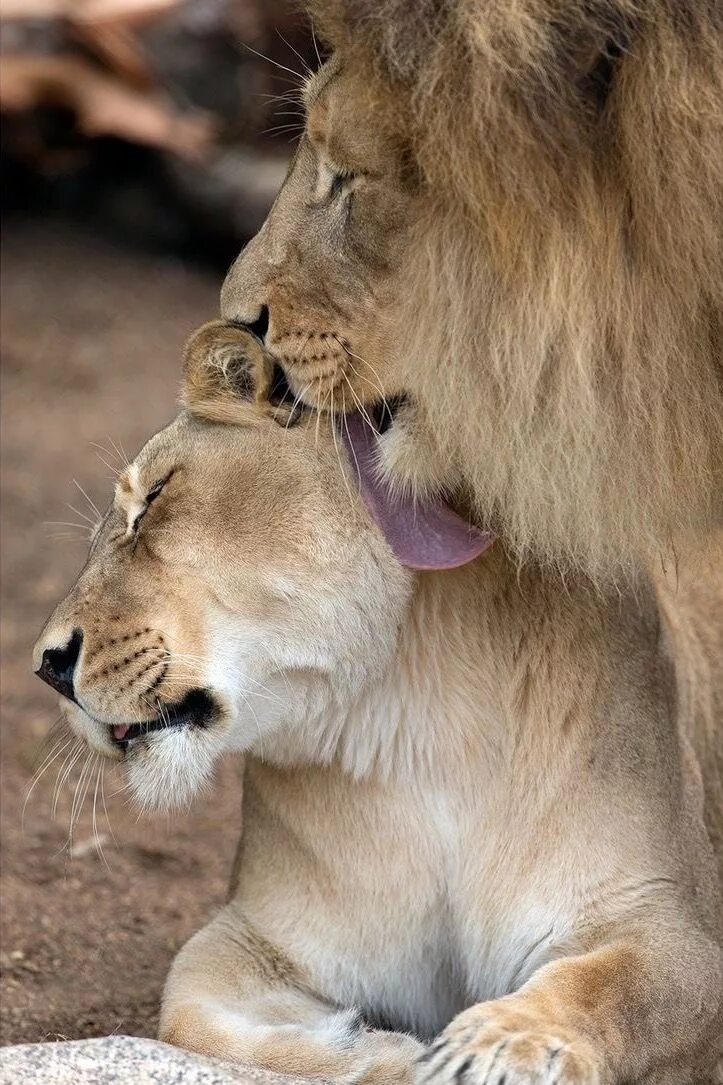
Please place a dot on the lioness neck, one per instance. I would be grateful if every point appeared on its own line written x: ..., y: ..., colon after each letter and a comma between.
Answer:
x: 486, y: 652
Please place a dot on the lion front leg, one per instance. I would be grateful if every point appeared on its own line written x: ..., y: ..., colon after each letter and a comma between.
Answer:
x: 232, y: 995
x: 619, y: 1014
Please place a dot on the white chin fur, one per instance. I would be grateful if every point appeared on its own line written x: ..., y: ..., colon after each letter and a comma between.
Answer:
x: 167, y: 769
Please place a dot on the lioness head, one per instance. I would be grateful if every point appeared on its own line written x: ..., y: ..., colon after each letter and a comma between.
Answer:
x: 512, y: 211
x: 235, y: 587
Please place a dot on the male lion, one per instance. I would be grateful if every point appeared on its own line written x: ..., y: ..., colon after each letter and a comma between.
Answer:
x: 513, y: 210
x: 470, y: 796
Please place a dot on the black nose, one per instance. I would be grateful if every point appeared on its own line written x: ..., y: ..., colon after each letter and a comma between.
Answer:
x: 58, y: 665
x: 260, y: 326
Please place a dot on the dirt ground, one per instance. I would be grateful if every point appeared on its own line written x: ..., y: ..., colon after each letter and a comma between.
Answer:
x: 91, y: 339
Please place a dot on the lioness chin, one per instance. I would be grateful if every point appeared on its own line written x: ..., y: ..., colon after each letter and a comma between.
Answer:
x: 475, y: 800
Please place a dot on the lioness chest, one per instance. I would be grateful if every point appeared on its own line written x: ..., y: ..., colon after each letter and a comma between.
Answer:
x: 408, y: 905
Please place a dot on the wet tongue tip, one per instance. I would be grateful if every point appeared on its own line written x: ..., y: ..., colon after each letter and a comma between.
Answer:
x: 120, y: 731
x: 422, y: 534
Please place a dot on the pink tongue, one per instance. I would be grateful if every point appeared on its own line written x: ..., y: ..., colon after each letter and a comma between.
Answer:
x: 425, y: 535
x: 121, y: 730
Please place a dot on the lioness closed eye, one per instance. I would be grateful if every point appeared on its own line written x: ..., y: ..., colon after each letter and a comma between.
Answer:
x: 473, y: 802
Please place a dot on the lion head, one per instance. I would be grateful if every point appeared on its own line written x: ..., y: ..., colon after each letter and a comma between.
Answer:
x: 235, y: 588
x: 513, y: 214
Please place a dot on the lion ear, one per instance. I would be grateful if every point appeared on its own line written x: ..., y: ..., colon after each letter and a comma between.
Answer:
x: 225, y: 367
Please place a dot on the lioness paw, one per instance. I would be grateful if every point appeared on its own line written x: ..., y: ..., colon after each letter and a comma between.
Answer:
x: 384, y: 1058
x: 498, y: 1043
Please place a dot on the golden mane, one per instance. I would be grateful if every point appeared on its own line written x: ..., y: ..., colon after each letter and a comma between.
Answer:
x: 565, y: 316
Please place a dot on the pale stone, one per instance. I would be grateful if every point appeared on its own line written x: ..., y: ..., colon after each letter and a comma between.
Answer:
x: 123, y: 1060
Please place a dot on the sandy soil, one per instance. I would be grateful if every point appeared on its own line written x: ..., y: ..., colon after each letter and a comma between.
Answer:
x: 91, y: 340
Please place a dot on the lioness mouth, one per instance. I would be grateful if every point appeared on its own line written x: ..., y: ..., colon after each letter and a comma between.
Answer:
x: 197, y: 708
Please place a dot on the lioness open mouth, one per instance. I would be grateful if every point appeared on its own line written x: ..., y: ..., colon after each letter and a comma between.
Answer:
x: 197, y: 708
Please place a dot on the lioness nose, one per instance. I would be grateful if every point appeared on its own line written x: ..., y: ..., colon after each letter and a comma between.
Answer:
x: 57, y: 666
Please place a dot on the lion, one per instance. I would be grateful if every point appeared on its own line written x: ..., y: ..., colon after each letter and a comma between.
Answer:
x: 479, y: 810
x: 511, y: 211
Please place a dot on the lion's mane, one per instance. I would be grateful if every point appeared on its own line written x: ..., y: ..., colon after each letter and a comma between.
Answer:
x: 567, y: 291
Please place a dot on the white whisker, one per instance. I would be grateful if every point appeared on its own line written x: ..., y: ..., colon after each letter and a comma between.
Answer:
x: 96, y: 836
x: 379, y: 387
x: 282, y: 67
x: 82, y: 515
x: 316, y: 47
x: 338, y: 453
x: 104, y: 461
x: 66, y: 523
x: 360, y: 406
x: 80, y: 794
x: 304, y: 63
x: 76, y: 792
x: 105, y: 807
x: 64, y: 772
x: 60, y: 747
x: 120, y: 452
x: 92, y: 504
x: 350, y: 443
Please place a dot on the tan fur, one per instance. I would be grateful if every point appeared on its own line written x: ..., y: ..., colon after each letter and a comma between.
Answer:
x: 479, y: 802
x: 534, y: 250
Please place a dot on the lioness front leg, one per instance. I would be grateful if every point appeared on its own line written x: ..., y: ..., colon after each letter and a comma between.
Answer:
x: 232, y: 995
x: 618, y: 1015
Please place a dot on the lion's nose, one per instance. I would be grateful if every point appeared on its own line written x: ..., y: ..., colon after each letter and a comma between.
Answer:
x: 260, y: 326
x: 57, y: 665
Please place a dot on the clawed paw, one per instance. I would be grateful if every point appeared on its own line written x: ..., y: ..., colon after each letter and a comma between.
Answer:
x: 501, y: 1044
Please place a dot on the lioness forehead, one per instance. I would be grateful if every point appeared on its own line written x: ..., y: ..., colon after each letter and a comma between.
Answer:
x: 129, y: 496
x: 209, y: 459
x: 158, y: 457
x: 170, y: 444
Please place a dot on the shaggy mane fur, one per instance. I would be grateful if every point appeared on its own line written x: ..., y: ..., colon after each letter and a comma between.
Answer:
x: 567, y: 294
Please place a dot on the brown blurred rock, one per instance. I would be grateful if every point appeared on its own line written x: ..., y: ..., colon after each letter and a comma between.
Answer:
x: 207, y: 85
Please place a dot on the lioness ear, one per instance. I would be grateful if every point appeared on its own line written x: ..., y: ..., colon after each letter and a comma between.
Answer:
x: 228, y: 375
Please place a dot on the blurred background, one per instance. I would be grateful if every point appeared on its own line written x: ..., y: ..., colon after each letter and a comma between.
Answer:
x: 142, y: 144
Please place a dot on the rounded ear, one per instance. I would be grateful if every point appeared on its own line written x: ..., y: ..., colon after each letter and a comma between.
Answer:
x: 224, y: 365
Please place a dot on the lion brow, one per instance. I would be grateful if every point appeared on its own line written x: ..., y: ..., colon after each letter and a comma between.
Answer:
x: 319, y: 81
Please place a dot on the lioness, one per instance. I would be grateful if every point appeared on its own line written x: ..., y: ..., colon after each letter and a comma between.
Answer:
x: 475, y: 801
